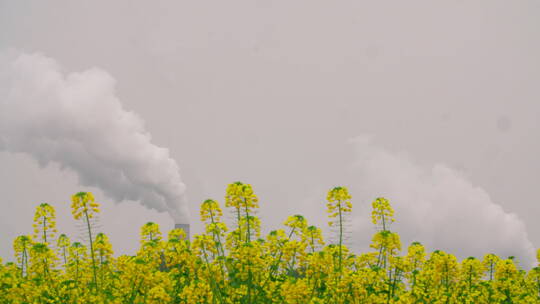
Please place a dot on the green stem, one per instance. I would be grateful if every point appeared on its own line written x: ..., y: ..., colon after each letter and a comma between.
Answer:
x: 340, y: 237
x: 239, y: 224
x: 221, y: 255
x: 248, y: 238
x: 77, y: 272
x: 212, y: 280
x: 64, y: 254
x: 91, y: 249
x: 220, y: 247
x: 44, y: 229
x: 24, y: 262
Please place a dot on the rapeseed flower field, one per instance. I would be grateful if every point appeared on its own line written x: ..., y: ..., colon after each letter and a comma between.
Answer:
x: 237, y: 264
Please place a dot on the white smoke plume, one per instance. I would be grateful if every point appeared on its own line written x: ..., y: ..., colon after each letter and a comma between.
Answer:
x: 436, y: 206
x: 76, y: 120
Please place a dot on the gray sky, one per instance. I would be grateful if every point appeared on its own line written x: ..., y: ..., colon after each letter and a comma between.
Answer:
x: 283, y: 94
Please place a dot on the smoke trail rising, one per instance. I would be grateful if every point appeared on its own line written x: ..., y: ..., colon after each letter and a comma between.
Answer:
x: 437, y: 205
x: 76, y: 120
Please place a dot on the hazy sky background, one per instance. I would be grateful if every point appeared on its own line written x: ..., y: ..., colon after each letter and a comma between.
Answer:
x: 286, y: 94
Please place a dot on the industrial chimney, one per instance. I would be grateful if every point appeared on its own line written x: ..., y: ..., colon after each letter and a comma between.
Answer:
x: 185, y: 227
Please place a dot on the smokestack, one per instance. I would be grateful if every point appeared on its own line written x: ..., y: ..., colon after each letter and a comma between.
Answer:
x: 185, y: 227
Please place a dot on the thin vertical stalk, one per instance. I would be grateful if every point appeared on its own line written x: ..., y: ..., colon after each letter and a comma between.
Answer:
x: 91, y: 249
x: 340, y: 237
x: 44, y: 229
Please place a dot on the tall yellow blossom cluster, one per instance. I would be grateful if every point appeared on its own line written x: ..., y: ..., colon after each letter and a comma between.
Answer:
x: 339, y: 204
x: 292, y: 264
x: 339, y: 200
x: 244, y: 202
x: 241, y: 195
x: 44, y: 223
x: 382, y: 214
x: 83, y: 203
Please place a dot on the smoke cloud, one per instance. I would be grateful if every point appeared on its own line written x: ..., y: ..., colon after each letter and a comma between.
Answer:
x: 436, y: 206
x: 76, y: 120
